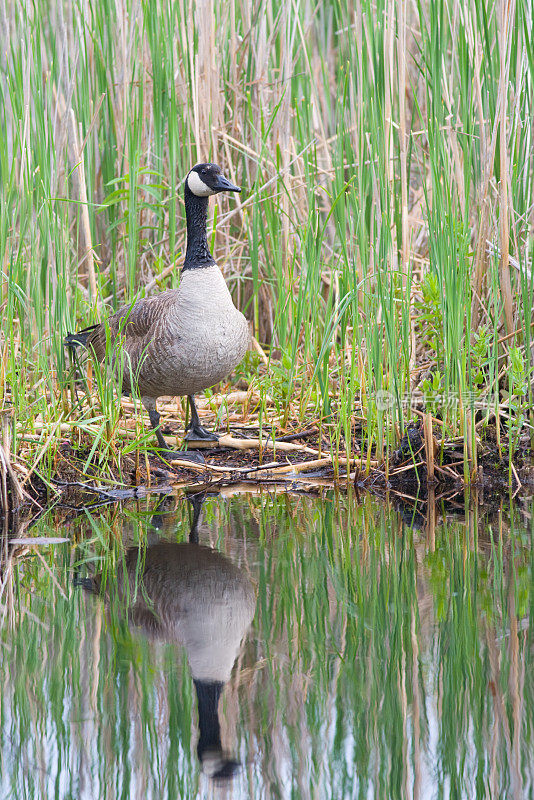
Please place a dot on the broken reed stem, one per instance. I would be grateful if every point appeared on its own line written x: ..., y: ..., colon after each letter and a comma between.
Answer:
x: 429, y: 447
x: 256, y: 346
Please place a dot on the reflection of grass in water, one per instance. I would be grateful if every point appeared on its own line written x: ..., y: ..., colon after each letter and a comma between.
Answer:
x: 375, y: 649
x: 372, y: 593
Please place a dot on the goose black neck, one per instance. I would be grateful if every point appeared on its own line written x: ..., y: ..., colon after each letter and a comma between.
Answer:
x: 197, y: 254
x: 208, y: 694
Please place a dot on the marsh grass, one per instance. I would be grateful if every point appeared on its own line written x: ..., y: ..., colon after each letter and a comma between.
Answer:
x: 382, y: 248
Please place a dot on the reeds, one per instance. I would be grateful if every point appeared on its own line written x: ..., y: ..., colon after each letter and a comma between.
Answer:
x: 382, y: 248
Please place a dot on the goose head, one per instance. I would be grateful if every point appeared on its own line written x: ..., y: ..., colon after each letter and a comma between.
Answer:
x: 207, y: 179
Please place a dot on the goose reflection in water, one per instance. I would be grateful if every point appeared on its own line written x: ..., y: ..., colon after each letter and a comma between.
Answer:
x: 192, y: 595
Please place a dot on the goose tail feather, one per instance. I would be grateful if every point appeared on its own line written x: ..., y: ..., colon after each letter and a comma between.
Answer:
x: 80, y: 337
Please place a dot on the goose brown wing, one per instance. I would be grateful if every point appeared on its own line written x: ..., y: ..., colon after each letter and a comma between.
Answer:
x: 135, y: 324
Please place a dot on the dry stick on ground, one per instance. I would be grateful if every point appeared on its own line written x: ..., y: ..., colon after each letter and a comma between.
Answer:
x: 287, y: 447
x: 304, y: 466
x: 254, y: 444
x: 289, y: 437
x: 447, y: 472
x: 407, y: 467
x: 228, y: 441
x: 273, y: 468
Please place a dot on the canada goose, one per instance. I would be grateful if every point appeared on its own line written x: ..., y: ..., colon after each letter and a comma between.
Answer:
x: 191, y: 595
x: 184, y: 340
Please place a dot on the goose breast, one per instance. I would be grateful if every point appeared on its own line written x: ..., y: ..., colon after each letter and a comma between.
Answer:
x: 199, y: 338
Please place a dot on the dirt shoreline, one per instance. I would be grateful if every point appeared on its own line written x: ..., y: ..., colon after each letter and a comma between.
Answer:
x: 296, y: 461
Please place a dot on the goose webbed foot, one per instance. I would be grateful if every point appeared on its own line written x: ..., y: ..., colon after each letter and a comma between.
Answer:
x: 195, y: 431
x: 217, y: 766
x: 164, y: 452
x: 181, y: 455
x: 227, y: 770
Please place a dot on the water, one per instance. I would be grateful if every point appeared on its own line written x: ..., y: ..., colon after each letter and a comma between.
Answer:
x: 334, y: 647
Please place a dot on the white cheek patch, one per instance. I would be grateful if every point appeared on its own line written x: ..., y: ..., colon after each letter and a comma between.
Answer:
x: 197, y: 185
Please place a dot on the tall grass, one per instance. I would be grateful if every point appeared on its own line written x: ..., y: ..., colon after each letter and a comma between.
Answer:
x: 382, y: 248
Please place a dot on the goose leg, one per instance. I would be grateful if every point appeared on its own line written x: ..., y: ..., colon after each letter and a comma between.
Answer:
x: 196, y: 501
x: 168, y: 455
x: 214, y: 761
x: 195, y: 432
x: 155, y: 418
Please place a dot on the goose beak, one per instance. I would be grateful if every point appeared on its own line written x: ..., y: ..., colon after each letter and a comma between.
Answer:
x: 223, y: 185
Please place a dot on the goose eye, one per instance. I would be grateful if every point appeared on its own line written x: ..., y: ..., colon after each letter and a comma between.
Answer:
x: 204, y: 171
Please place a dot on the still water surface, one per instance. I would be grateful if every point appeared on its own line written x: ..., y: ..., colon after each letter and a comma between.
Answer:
x: 277, y: 647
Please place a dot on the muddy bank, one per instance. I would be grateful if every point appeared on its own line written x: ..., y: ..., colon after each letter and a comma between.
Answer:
x: 302, y: 458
